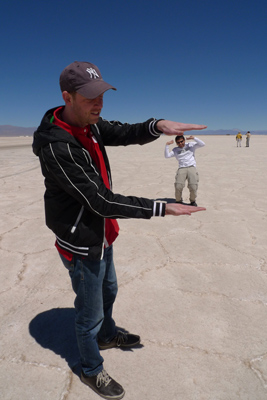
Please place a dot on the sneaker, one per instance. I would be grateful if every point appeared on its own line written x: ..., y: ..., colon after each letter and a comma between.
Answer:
x: 104, y: 385
x: 120, y: 340
x: 193, y: 203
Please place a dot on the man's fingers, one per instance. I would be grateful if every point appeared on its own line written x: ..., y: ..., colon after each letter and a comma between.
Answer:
x: 192, y: 209
x: 195, y: 209
x: 181, y: 209
x: 193, y: 127
x: 177, y: 128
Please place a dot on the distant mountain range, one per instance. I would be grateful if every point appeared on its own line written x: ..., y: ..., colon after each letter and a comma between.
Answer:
x: 12, y: 131
x: 9, y: 130
x: 230, y: 132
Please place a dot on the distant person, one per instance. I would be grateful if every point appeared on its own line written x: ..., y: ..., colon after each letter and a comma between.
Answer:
x: 238, y: 139
x: 185, y: 155
x: 248, y: 134
x: 82, y: 210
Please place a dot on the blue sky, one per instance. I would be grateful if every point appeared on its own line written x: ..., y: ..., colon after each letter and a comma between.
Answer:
x: 195, y: 61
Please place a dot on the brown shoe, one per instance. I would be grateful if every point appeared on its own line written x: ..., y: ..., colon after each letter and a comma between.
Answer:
x: 104, y: 385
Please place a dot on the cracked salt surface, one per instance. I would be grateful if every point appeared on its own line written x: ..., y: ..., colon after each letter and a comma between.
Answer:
x: 194, y: 287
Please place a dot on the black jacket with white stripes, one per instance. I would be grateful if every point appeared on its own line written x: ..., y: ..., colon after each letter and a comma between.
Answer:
x: 76, y: 198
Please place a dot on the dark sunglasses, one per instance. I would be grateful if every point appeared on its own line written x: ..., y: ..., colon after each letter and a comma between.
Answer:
x: 180, y: 141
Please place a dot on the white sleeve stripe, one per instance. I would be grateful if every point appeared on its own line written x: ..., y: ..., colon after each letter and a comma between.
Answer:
x: 125, y: 205
x: 152, y: 128
x: 158, y: 210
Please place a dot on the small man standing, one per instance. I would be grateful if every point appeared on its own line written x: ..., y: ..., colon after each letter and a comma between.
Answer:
x: 238, y: 139
x: 248, y: 134
x: 185, y: 155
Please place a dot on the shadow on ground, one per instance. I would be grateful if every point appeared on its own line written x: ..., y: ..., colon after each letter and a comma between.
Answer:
x: 55, y: 330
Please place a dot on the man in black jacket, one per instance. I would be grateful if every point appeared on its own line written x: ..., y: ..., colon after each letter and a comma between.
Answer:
x: 82, y: 210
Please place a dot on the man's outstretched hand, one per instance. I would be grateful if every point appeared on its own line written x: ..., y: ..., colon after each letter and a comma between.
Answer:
x: 177, y: 128
x: 181, y: 209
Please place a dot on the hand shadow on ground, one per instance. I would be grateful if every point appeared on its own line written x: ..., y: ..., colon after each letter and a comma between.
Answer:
x: 55, y: 330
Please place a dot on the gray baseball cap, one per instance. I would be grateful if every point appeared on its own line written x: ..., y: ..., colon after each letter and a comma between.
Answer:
x: 84, y: 78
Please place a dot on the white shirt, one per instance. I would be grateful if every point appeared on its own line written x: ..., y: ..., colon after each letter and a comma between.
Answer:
x: 185, y: 155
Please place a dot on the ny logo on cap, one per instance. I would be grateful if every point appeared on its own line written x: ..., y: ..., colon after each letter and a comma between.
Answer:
x: 92, y: 72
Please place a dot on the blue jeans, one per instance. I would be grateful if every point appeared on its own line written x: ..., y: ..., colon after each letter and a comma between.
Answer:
x: 95, y: 285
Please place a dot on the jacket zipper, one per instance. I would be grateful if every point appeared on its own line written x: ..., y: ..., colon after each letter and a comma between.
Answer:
x: 103, y: 241
x: 73, y: 229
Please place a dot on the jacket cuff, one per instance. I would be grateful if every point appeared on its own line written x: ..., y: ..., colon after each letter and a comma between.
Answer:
x: 153, y: 128
x: 159, y: 208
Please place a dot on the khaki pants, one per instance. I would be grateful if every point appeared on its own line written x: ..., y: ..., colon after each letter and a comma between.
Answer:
x: 191, y: 174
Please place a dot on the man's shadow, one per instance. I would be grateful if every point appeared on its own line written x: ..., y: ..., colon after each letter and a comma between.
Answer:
x: 55, y: 330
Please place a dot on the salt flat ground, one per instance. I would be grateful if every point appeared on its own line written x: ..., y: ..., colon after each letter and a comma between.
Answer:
x: 193, y: 287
